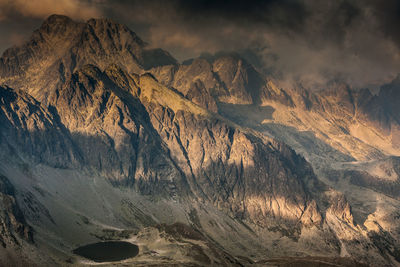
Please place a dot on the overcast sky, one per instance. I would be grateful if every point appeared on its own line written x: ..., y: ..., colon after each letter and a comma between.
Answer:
x: 312, y: 41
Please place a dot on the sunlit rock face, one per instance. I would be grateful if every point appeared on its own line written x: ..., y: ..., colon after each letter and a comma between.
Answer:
x: 104, y: 138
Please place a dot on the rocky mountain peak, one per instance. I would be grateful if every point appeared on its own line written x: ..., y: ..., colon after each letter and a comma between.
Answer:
x: 108, y: 29
x: 61, y: 46
x: 57, y: 24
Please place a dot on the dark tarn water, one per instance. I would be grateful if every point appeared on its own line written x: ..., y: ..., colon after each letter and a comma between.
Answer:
x: 108, y: 251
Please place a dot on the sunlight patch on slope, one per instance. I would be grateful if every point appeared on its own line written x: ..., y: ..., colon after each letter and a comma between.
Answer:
x: 155, y: 92
x: 326, y: 129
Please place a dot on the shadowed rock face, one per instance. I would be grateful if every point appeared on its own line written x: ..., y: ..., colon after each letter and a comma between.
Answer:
x: 27, y: 124
x: 384, y: 109
x: 13, y: 226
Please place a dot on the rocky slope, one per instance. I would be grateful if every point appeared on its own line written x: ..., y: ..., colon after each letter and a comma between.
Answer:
x: 104, y: 137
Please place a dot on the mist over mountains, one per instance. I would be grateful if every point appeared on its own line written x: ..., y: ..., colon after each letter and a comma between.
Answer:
x: 217, y: 160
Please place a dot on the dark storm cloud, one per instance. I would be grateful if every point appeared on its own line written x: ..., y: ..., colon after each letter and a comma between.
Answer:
x: 307, y: 41
x: 186, y: 22
x: 388, y: 15
x: 283, y: 13
x: 292, y: 17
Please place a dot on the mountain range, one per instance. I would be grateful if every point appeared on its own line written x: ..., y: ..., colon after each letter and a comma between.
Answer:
x: 205, y: 162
